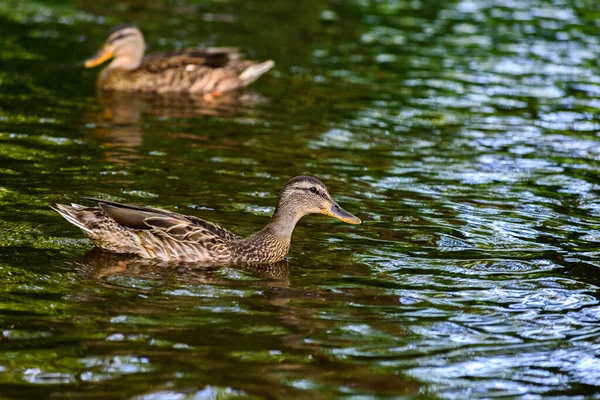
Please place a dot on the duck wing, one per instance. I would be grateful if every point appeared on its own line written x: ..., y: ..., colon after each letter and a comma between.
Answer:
x: 178, y: 227
x: 211, y: 58
x: 198, y: 71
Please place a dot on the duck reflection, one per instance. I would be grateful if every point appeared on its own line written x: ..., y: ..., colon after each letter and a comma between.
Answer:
x: 119, y: 123
x: 98, y: 264
x: 127, y: 108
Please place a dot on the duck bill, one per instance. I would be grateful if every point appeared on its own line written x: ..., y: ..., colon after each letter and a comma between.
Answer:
x: 338, y: 212
x: 103, y: 55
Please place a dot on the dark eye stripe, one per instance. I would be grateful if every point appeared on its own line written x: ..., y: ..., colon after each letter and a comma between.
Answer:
x: 317, y: 192
x: 314, y: 190
x: 120, y: 36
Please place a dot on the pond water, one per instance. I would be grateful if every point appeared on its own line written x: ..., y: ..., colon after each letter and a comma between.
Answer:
x: 463, y: 133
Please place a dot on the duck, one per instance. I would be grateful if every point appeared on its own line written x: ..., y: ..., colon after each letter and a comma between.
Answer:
x: 200, y: 71
x: 168, y: 236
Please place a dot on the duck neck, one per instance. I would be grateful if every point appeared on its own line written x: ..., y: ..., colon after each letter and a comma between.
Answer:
x: 273, y: 242
x: 283, y: 222
x: 127, y: 63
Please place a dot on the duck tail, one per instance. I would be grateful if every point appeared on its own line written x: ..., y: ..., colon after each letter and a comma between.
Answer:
x: 254, y: 71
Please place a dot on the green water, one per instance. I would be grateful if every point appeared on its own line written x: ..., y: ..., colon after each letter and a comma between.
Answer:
x: 463, y: 133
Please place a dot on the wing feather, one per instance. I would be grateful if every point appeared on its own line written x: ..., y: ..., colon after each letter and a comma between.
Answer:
x: 179, y: 227
x: 176, y: 59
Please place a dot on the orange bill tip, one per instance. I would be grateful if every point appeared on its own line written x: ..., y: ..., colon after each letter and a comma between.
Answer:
x: 103, y: 55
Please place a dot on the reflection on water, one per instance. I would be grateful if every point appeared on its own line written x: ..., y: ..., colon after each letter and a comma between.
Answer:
x: 126, y: 108
x: 463, y: 133
x: 99, y: 264
x: 119, y: 124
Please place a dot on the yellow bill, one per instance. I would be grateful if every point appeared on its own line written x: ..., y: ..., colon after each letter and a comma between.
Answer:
x: 338, y: 212
x: 103, y: 55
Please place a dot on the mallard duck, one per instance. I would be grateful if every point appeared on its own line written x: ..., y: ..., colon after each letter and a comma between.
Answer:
x: 202, y: 71
x: 169, y: 236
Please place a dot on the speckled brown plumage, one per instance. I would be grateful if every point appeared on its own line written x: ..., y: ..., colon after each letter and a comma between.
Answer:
x: 168, y: 236
x: 212, y: 70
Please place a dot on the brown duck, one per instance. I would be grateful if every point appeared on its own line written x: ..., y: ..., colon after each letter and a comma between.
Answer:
x: 168, y: 236
x: 201, y: 71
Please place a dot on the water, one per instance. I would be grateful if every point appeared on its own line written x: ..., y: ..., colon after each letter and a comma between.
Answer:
x: 464, y: 134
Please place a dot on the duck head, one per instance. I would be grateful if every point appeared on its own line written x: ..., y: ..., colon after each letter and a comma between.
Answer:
x: 305, y: 195
x: 124, y: 43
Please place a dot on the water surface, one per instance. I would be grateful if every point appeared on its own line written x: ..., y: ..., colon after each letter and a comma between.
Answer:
x: 464, y: 134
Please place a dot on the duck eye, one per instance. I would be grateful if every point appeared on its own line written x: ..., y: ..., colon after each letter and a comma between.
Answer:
x: 313, y: 190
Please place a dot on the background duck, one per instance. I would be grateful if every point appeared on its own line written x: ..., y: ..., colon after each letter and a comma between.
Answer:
x: 202, y: 71
x: 168, y: 236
